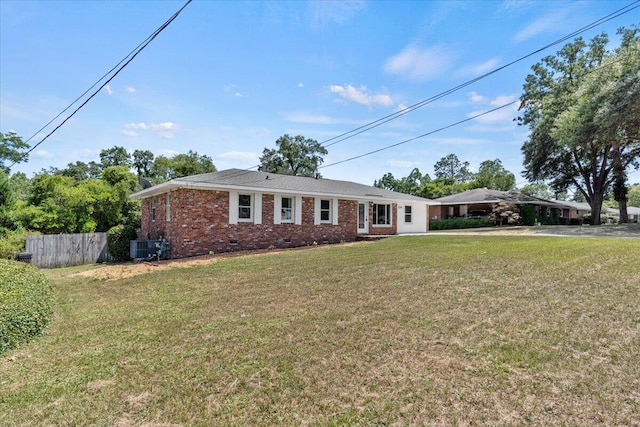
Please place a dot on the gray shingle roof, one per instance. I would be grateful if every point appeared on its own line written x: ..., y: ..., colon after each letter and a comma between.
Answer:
x: 484, y: 195
x: 270, y: 182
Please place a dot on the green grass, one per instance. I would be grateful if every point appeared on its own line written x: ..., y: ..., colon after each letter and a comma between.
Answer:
x: 431, y: 330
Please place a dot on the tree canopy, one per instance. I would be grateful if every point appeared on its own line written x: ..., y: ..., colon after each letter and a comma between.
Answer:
x: 492, y: 174
x: 450, y: 168
x: 293, y: 156
x: 581, y: 106
x: 11, y: 150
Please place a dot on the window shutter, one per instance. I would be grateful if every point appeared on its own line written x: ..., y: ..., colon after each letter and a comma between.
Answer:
x: 277, y: 209
x: 316, y: 211
x: 233, y: 207
x: 297, y: 205
x: 334, y: 211
x: 257, y: 208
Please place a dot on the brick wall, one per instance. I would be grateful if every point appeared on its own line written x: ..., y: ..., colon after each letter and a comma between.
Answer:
x: 199, y: 224
x: 381, y: 230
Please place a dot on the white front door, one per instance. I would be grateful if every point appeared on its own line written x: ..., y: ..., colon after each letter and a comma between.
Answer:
x: 363, y: 218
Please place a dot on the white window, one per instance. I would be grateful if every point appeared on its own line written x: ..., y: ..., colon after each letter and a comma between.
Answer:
x: 286, y: 209
x: 168, y: 207
x: 325, y: 210
x: 245, y: 208
x: 407, y: 214
x: 381, y: 214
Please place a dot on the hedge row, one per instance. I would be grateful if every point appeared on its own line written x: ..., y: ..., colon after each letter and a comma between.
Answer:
x: 26, y: 302
x: 458, y: 223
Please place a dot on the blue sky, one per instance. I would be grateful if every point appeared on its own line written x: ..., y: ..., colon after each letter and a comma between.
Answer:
x: 227, y: 78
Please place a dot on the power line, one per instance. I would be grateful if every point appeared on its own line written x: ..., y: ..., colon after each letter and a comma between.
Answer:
x: 421, y: 136
x: 119, y: 67
x: 371, y: 125
x: 402, y: 112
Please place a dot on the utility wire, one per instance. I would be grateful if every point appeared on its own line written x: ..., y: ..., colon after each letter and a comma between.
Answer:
x: 393, y: 116
x: 402, y: 112
x: 119, y: 67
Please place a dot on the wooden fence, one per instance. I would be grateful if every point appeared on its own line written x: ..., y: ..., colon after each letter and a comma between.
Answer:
x: 63, y: 250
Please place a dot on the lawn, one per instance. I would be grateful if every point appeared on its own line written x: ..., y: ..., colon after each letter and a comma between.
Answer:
x: 422, y: 330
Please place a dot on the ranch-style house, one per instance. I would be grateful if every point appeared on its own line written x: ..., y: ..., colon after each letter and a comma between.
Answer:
x: 237, y: 209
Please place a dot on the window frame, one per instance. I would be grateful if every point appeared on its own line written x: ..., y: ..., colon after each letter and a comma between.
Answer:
x: 327, y: 210
x: 408, y: 212
x: 153, y: 208
x: 290, y: 209
x: 387, y: 215
x: 250, y: 206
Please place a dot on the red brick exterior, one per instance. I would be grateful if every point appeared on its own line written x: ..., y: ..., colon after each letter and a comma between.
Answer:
x: 199, y: 224
x: 384, y: 230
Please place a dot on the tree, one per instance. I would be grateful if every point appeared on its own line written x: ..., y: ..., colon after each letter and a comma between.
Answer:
x: 494, y: 176
x: 81, y: 171
x: 180, y: 165
x: 582, y: 113
x: 408, y: 185
x: 11, y: 146
x: 450, y: 168
x: 115, y: 156
x: 293, y: 156
x: 143, y: 162
x: 539, y: 190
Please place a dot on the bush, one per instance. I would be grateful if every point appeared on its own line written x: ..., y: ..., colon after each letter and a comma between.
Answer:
x: 118, y: 241
x: 528, y: 215
x: 458, y: 223
x: 12, y: 242
x: 26, y: 303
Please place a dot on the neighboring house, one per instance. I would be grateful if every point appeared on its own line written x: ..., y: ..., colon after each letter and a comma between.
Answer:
x: 238, y: 210
x: 576, y: 211
x: 633, y: 213
x: 479, y: 202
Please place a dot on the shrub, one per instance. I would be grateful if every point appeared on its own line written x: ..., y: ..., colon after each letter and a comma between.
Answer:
x: 25, y: 303
x: 458, y: 223
x: 11, y: 242
x: 528, y: 215
x: 118, y: 241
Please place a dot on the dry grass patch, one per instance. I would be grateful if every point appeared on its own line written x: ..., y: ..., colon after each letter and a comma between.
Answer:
x: 434, y: 330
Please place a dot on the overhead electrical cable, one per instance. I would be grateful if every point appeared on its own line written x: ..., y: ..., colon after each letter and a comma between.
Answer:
x: 125, y: 61
x: 371, y: 125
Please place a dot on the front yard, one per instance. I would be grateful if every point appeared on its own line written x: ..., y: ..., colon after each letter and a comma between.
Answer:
x: 434, y: 330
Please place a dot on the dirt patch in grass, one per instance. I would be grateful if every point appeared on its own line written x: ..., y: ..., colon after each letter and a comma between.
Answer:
x: 124, y: 271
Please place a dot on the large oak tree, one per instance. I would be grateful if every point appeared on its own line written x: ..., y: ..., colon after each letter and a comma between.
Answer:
x: 581, y: 106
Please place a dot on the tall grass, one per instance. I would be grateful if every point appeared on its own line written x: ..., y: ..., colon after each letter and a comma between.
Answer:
x: 434, y: 330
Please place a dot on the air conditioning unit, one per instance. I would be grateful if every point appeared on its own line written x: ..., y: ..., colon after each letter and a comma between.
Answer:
x: 149, y: 249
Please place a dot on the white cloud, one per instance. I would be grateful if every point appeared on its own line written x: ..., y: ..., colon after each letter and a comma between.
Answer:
x: 418, y: 64
x: 549, y: 23
x: 403, y: 164
x: 475, y: 97
x: 166, y: 130
x: 42, y: 154
x: 131, y: 89
x: 140, y: 125
x: 239, y: 95
x: 300, y: 84
x: 502, y: 99
x: 165, y: 126
x: 361, y: 95
x: 107, y: 88
x: 478, y: 69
